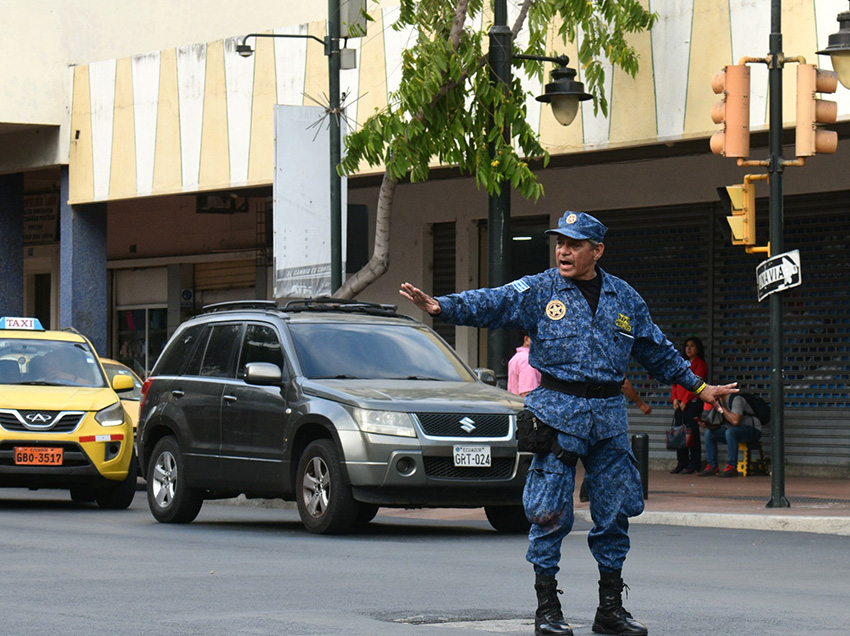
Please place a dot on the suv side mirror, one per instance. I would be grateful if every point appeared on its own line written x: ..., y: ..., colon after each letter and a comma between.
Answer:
x: 263, y: 373
x: 487, y: 376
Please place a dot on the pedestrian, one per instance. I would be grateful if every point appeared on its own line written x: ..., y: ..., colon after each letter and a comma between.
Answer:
x: 584, y: 325
x: 733, y: 425
x: 687, y: 407
x: 522, y: 377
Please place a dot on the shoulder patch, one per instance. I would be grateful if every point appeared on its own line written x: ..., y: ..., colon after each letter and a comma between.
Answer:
x: 520, y: 285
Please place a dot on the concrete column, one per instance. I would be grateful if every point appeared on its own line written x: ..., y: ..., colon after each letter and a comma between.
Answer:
x: 82, y: 267
x: 12, y: 244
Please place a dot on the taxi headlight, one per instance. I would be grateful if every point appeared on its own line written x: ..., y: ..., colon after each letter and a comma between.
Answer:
x: 111, y: 415
x: 384, y: 422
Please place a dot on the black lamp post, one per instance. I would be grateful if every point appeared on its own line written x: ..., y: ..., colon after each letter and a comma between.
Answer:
x: 331, y: 44
x: 563, y: 93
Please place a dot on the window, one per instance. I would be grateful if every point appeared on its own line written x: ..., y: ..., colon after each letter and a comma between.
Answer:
x: 261, y: 344
x: 219, y: 351
x: 181, y: 348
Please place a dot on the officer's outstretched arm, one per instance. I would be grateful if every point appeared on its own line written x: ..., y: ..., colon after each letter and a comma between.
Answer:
x: 419, y: 298
x: 712, y: 394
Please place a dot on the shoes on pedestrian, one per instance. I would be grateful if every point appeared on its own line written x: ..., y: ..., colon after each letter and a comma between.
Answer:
x: 678, y: 469
x: 549, y: 619
x: 689, y: 471
x: 708, y: 470
x: 729, y: 471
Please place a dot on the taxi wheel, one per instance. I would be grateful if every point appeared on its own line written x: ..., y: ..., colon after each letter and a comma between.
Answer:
x: 169, y: 498
x: 82, y: 494
x: 325, y: 502
x: 510, y: 519
x: 119, y: 495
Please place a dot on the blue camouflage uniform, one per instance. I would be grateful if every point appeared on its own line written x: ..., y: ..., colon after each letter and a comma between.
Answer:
x: 573, y: 344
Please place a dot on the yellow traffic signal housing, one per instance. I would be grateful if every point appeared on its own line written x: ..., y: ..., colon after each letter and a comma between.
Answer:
x: 811, y: 139
x: 733, y: 82
x: 743, y: 219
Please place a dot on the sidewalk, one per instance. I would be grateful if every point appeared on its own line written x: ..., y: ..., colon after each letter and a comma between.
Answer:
x: 819, y: 505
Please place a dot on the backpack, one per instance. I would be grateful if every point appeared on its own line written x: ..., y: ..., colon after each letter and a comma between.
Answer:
x: 759, y: 407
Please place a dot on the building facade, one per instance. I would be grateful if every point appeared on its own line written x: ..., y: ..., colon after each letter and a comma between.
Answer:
x: 137, y: 188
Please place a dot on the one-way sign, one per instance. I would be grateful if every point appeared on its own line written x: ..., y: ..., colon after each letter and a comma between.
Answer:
x: 778, y: 273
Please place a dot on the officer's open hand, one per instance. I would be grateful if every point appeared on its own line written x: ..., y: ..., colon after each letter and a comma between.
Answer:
x: 420, y: 299
x: 712, y: 394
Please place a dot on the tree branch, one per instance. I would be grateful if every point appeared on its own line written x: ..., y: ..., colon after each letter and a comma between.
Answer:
x: 380, y: 260
x: 520, y: 20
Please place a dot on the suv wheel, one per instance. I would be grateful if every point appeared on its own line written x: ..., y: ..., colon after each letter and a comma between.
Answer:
x: 169, y: 498
x: 510, y: 519
x: 119, y: 495
x: 325, y: 502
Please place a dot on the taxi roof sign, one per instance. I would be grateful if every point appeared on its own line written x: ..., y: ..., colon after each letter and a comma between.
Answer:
x: 12, y: 322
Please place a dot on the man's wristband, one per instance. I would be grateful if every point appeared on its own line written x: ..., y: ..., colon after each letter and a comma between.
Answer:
x: 699, y: 389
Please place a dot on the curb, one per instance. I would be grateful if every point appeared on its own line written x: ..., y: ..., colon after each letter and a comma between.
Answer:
x: 819, y: 525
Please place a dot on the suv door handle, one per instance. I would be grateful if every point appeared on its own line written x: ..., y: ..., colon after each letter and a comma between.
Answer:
x: 230, y: 398
x: 177, y: 393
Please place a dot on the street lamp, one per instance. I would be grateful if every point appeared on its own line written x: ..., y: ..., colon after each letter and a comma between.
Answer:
x: 563, y: 93
x: 332, y: 51
x: 839, y: 49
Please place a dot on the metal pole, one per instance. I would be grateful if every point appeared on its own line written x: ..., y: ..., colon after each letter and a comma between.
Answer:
x: 499, y: 205
x: 332, y: 51
x: 777, y: 224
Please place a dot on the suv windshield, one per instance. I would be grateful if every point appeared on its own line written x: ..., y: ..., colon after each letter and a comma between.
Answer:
x: 48, y: 362
x: 374, y: 352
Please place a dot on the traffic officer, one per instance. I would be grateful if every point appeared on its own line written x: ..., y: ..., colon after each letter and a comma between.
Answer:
x: 584, y: 325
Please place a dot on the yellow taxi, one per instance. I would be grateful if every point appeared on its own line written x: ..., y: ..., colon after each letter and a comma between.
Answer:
x: 129, y: 399
x: 62, y: 424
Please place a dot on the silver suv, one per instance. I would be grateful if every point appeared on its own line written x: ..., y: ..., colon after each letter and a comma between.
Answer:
x: 341, y: 406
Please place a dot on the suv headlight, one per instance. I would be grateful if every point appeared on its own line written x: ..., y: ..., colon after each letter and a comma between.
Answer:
x: 111, y: 415
x: 384, y: 422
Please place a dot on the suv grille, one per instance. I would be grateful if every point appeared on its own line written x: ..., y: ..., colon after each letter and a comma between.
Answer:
x: 452, y: 425
x: 444, y: 468
x: 41, y: 421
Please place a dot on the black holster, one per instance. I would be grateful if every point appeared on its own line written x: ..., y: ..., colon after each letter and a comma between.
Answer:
x: 535, y: 436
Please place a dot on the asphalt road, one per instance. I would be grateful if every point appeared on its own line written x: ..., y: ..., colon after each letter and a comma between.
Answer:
x: 78, y: 570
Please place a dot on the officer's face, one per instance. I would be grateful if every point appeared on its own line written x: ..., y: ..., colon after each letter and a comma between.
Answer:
x: 576, y: 258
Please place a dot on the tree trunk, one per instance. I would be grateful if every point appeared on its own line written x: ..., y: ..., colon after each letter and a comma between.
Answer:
x: 380, y: 261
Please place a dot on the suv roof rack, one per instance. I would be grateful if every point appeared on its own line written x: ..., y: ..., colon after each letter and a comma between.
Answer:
x: 240, y: 304
x: 329, y: 303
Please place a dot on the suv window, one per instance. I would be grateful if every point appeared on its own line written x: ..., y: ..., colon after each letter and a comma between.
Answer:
x: 372, y: 351
x: 220, y: 351
x: 178, y: 351
x: 261, y: 344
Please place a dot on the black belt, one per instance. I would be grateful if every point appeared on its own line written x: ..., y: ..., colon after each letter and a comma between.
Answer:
x: 581, y: 389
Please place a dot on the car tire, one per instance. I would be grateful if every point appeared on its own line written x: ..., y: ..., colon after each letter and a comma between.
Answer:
x: 366, y: 512
x: 82, y: 494
x: 119, y: 495
x: 325, y: 502
x: 169, y: 498
x: 508, y: 519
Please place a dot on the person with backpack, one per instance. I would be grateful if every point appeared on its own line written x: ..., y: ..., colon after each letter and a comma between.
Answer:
x: 738, y: 422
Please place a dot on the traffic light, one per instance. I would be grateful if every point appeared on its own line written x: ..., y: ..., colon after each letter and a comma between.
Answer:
x: 812, y: 111
x: 743, y: 219
x: 733, y: 112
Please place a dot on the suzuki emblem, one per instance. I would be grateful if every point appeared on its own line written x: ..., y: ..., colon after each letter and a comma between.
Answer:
x: 467, y: 424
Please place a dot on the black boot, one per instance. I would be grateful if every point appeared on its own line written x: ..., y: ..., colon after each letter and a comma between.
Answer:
x: 611, y: 616
x: 549, y: 621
